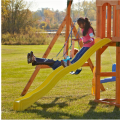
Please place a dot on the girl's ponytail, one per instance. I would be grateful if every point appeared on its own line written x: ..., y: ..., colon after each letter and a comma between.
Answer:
x: 86, y: 20
x: 87, y: 26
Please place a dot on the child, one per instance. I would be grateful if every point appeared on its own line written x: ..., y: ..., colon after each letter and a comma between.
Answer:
x: 50, y: 62
x: 87, y: 39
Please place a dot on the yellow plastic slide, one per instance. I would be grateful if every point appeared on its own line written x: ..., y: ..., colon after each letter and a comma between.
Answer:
x: 24, y: 102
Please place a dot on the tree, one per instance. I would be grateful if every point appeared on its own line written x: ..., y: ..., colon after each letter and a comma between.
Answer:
x: 16, y: 16
x: 84, y: 9
x: 50, y: 15
x: 43, y: 25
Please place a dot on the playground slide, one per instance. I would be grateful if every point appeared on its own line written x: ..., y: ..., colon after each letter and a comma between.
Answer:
x: 24, y: 102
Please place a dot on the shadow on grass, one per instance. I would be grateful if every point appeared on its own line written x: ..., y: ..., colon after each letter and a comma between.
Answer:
x: 52, y: 104
x: 54, y: 115
x: 90, y: 114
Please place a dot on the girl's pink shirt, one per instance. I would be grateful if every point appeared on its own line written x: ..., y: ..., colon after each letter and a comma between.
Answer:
x: 87, y: 37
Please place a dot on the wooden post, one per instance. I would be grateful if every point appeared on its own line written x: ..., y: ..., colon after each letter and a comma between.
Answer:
x: 98, y: 21
x: 100, y: 32
x: 103, y: 20
x: 109, y: 21
x: 97, y: 75
x: 118, y: 22
x: 118, y: 60
x: 114, y: 21
x: 118, y: 75
x: 116, y: 38
x: 119, y: 19
x: 44, y: 56
x: 67, y: 25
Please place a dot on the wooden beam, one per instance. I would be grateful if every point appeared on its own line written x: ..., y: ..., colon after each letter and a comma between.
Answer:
x: 109, y: 21
x: 114, y: 21
x: 44, y: 56
x: 98, y: 21
x: 107, y: 74
x: 85, y: 64
x: 103, y: 49
x: 118, y: 14
x: 116, y: 39
x: 44, y: 66
x: 118, y: 64
x: 111, y: 2
x: 118, y: 75
x: 103, y: 19
x: 106, y: 101
x: 111, y: 44
x: 117, y: 23
x: 102, y: 87
x: 117, y: 7
x: 90, y: 64
x: 30, y: 81
x: 67, y: 26
x: 97, y: 75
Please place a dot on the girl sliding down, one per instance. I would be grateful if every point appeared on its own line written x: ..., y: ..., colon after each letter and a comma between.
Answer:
x: 87, y: 39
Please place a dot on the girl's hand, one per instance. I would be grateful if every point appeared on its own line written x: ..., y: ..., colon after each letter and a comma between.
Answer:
x: 87, y: 42
x: 65, y: 43
x: 81, y: 39
x: 75, y: 39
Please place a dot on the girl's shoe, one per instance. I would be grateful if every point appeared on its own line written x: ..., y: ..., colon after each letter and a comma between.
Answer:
x: 32, y: 57
x: 63, y: 63
x: 28, y: 58
x: 68, y: 62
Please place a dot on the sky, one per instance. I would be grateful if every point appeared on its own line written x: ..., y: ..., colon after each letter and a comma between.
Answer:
x: 55, y: 4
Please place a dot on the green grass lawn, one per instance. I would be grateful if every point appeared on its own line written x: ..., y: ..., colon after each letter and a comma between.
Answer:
x: 71, y: 97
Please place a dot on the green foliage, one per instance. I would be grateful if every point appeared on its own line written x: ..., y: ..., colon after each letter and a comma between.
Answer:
x: 30, y: 38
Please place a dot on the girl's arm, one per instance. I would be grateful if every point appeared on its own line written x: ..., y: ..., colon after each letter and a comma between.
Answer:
x: 72, y: 50
x: 89, y: 41
x: 76, y: 39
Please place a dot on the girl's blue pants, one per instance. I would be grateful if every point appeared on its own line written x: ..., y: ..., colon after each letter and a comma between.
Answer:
x: 79, y: 54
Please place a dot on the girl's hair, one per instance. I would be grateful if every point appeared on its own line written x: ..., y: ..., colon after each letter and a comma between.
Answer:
x: 87, y: 25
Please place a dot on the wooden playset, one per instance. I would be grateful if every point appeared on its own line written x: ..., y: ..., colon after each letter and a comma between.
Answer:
x: 103, y: 7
